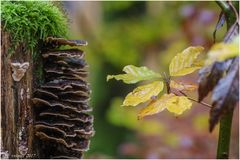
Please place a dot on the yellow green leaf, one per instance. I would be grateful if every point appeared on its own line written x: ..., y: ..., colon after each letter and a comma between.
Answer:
x: 155, y: 106
x: 143, y: 93
x: 178, y: 104
x: 222, y: 51
x: 185, y: 62
x: 135, y: 74
x: 182, y: 87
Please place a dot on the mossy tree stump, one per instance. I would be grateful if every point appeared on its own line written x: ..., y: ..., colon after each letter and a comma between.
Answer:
x: 16, y: 111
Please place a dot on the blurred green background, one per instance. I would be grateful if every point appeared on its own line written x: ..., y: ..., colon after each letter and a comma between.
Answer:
x: 144, y: 33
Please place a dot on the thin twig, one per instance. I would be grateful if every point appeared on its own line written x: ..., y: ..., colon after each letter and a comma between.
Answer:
x: 202, y: 103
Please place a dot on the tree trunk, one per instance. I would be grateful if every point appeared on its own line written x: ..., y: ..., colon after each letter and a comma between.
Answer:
x: 16, y: 111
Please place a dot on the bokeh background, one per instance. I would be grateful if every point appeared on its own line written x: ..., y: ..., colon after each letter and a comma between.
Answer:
x: 144, y: 33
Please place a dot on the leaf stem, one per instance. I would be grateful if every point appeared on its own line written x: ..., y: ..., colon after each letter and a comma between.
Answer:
x: 192, y: 99
x: 223, y: 5
x: 202, y: 103
x: 166, y: 79
x: 224, y: 136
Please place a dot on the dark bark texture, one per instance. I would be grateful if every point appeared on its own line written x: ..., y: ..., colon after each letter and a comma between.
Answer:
x: 16, y: 112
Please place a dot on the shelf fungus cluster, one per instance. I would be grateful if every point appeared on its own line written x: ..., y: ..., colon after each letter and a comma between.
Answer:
x: 63, y: 125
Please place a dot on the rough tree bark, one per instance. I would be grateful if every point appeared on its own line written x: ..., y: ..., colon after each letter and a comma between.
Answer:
x: 16, y: 111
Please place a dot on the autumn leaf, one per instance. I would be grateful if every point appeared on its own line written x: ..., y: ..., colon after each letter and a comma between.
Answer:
x: 209, y: 77
x: 171, y: 102
x: 182, y: 87
x: 222, y: 51
x: 225, y: 94
x: 178, y: 104
x: 155, y: 106
x: 185, y: 62
x: 143, y: 93
x: 232, y: 33
x: 135, y: 74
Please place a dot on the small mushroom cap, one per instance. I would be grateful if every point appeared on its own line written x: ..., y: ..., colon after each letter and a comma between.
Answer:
x: 46, y: 104
x: 44, y: 93
x: 74, y: 143
x: 19, y: 70
x: 62, y: 41
x: 65, y: 84
x: 61, y: 54
x: 66, y: 130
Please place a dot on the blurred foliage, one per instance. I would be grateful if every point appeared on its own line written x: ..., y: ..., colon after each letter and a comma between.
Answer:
x: 119, y: 10
x: 126, y: 117
x: 166, y: 56
x: 141, y: 33
x: 121, y: 116
x: 126, y: 39
x: 200, y: 122
x: 172, y: 139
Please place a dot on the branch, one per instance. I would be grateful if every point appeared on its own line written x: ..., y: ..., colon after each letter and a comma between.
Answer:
x: 229, y: 11
x: 223, y: 5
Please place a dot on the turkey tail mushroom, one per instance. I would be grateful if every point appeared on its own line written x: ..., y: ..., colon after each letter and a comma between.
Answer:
x: 63, y: 125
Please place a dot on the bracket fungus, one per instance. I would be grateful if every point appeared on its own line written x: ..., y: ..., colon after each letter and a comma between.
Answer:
x: 19, y: 70
x: 63, y: 124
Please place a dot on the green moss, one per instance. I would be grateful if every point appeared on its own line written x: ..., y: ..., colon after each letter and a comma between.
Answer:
x: 30, y: 22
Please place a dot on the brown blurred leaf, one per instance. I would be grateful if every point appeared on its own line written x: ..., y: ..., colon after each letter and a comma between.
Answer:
x: 232, y: 32
x: 209, y: 77
x: 225, y: 94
